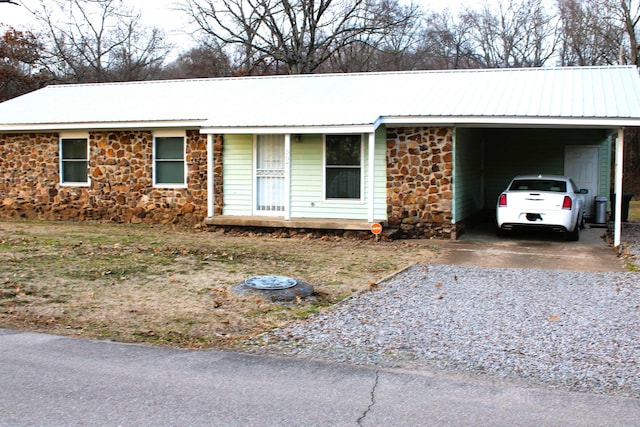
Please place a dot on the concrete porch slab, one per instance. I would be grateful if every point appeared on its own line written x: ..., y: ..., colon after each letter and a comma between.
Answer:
x: 298, y: 223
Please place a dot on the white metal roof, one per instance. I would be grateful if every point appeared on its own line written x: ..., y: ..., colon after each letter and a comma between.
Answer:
x: 576, y: 96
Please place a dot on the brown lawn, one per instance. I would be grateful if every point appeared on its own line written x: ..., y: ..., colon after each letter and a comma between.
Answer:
x: 171, y: 287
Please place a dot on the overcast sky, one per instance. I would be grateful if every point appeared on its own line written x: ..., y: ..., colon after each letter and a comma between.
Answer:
x: 163, y: 14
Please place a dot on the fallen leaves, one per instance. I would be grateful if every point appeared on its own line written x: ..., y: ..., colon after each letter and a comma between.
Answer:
x: 169, y: 287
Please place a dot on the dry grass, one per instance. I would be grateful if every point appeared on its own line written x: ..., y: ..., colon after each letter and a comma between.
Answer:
x: 167, y: 287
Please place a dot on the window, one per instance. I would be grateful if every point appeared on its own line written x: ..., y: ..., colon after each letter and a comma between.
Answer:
x: 343, y: 155
x: 74, y: 161
x: 169, y: 161
x: 539, y: 185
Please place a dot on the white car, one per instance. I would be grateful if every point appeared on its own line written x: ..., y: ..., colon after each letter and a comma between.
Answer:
x: 545, y: 201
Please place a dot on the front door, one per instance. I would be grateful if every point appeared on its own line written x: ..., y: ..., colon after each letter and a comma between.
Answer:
x: 270, y: 175
x: 582, y: 164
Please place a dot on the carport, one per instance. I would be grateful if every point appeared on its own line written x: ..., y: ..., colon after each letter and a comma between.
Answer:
x: 583, y: 154
x: 576, y: 136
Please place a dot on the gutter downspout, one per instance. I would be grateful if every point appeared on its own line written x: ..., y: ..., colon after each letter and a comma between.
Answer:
x: 617, y: 221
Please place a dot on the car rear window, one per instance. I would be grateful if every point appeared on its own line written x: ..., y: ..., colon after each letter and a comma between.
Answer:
x: 538, y: 185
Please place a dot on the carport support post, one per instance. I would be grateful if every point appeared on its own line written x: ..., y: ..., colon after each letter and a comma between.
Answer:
x: 210, y: 193
x: 372, y: 176
x: 617, y: 220
x: 287, y: 176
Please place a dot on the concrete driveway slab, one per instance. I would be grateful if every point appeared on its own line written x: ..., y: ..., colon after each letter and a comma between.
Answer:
x: 482, y: 248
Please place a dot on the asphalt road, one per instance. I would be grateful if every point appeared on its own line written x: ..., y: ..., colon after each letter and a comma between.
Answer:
x: 52, y: 381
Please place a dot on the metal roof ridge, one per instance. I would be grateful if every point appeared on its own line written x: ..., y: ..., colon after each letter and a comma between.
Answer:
x: 344, y: 75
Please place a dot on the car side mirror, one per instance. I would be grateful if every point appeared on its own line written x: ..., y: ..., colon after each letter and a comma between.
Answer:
x: 584, y: 191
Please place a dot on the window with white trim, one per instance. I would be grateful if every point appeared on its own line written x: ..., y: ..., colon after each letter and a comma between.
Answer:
x: 343, y: 167
x: 169, y: 161
x: 74, y: 161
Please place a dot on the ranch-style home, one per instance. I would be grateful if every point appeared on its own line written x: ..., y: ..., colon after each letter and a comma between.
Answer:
x: 420, y: 152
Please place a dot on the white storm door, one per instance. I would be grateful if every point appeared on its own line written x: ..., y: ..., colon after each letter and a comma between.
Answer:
x: 582, y: 164
x: 270, y: 175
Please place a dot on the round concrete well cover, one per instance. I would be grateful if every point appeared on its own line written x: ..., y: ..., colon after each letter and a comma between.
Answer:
x: 270, y: 282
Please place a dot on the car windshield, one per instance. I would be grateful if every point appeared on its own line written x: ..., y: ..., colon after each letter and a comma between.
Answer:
x: 538, y: 185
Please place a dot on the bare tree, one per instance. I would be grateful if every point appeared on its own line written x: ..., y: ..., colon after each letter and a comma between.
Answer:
x: 446, y: 43
x: 519, y: 33
x: 398, y: 44
x: 357, y: 57
x: 389, y: 50
x: 588, y: 36
x: 300, y: 34
x: 20, y: 70
x: 99, y: 40
x: 204, y: 60
x: 599, y: 32
x: 627, y: 12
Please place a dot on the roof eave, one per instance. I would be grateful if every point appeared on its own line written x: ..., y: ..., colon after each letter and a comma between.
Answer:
x: 261, y: 130
x: 442, y: 121
x: 509, y: 121
x: 98, y: 126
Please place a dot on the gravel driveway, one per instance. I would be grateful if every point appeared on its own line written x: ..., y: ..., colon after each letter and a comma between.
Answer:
x: 574, y: 330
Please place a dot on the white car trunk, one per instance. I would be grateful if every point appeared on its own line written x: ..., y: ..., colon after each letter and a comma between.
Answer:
x: 535, y: 201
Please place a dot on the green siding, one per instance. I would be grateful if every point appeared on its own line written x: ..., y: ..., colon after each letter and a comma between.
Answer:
x: 307, y: 198
x: 511, y: 152
x: 380, y: 211
x: 605, y: 166
x: 467, y: 173
x: 306, y: 175
x: 238, y: 175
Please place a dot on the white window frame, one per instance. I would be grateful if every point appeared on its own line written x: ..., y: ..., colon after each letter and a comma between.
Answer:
x: 170, y: 134
x: 73, y: 135
x: 324, y: 171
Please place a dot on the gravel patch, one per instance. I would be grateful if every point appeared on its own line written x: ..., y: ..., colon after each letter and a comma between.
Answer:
x: 631, y: 242
x: 574, y: 330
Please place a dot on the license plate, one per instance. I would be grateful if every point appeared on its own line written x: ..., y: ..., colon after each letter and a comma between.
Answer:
x: 534, y: 217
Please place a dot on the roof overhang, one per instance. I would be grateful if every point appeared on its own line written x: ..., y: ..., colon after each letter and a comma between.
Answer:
x: 98, y: 126
x: 509, y: 122
x: 280, y: 130
x: 441, y: 121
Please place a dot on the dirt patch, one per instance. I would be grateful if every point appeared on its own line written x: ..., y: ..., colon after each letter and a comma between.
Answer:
x: 168, y: 287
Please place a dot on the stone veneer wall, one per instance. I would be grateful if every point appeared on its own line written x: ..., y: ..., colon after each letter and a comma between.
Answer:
x: 121, y: 188
x: 419, y: 181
